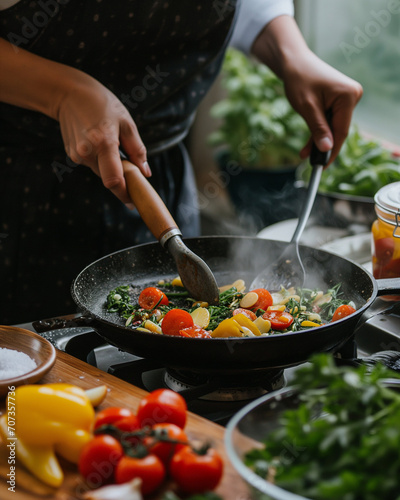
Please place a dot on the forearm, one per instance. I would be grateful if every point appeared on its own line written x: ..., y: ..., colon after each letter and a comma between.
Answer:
x: 280, y: 44
x: 32, y: 82
x: 312, y: 86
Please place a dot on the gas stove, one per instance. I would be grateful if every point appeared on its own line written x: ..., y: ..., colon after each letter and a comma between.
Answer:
x: 219, y: 398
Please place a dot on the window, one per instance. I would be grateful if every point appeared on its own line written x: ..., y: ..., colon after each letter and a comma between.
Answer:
x: 361, y: 38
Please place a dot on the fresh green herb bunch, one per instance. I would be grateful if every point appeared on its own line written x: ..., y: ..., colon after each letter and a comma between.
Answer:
x: 362, y: 167
x: 345, y: 434
x: 259, y: 128
x: 119, y: 301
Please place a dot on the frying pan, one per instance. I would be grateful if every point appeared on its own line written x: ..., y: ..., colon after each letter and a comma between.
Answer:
x: 230, y: 258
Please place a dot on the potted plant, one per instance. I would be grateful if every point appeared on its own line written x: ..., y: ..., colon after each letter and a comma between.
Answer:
x: 258, y: 139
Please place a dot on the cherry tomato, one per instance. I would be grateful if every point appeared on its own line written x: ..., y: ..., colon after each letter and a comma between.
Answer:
x: 98, y: 460
x: 280, y: 320
x: 175, y: 320
x: 196, y: 472
x: 342, y: 312
x: 111, y: 415
x: 150, y: 297
x: 150, y: 469
x: 264, y: 299
x: 164, y: 450
x: 384, y: 248
x: 162, y: 406
x: 194, y: 331
x: 249, y: 314
x: 128, y: 424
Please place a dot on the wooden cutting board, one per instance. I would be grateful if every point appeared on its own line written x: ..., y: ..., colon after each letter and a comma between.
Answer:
x: 73, y: 371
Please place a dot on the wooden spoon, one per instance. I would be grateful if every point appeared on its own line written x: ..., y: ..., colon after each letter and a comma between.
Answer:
x: 196, y: 276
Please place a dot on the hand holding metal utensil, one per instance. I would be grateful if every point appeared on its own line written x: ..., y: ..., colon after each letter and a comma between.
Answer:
x: 288, y: 270
x: 195, y: 274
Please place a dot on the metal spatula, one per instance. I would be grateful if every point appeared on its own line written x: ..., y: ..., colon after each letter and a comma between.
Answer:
x: 288, y: 270
x: 195, y: 274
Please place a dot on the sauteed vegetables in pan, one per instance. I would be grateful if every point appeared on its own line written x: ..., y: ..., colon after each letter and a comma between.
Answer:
x: 167, y: 309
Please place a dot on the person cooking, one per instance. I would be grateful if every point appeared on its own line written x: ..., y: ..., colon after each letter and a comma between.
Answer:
x: 82, y: 79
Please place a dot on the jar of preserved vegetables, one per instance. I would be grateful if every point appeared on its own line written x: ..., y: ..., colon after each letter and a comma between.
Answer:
x: 386, y: 232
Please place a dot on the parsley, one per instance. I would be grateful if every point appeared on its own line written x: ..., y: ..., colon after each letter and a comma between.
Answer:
x: 119, y: 301
x: 344, y: 435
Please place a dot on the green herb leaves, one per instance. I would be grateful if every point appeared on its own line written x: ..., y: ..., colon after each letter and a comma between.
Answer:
x: 345, y: 435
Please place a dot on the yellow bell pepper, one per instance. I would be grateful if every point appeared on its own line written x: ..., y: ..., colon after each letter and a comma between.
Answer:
x: 234, y: 327
x: 311, y: 324
x: 227, y: 328
x: 247, y: 323
x: 50, y: 419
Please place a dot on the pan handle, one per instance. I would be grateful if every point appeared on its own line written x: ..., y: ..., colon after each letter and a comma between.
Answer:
x: 149, y: 204
x: 46, y: 325
x: 387, y: 286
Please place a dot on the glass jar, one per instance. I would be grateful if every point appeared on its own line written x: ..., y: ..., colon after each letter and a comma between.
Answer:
x: 386, y: 232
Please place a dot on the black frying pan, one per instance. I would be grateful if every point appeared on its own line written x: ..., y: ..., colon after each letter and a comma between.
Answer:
x: 230, y: 258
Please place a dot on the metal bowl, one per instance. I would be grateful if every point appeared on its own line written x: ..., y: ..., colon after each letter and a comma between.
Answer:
x: 341, y: 210
x: 246, y: 431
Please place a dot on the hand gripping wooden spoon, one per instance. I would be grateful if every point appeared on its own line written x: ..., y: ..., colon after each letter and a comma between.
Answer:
x: 196, y: 276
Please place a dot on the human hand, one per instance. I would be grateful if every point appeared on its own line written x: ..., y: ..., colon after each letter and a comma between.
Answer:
x: 313, y: 87
x: 94, y: 125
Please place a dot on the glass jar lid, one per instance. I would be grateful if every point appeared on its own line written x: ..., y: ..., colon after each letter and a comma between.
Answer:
x: 387, y: 205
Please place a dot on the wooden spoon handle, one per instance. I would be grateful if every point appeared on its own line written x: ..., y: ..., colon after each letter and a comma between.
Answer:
x: 147, y: 201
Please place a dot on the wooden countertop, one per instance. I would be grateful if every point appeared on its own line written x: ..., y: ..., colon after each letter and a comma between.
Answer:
x: 71, y: 370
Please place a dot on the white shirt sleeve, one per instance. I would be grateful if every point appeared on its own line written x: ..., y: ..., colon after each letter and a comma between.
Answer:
x: 253, y: 16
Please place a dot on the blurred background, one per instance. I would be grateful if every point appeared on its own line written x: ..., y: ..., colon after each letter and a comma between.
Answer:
x: 360, y: 38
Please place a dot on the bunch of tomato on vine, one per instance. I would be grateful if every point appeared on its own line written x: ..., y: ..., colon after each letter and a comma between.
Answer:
x: 150, y: 444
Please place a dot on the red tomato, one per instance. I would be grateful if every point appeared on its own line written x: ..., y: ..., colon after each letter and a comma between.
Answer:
x: 264, y: 299
x: 196, y: 472
x: 128, y: 424
x: 175, y: 320
x: 162, y: 406
x: 246, y: 312
x: 98, y: 460
x: 111, y: 415
x: 150, y: 469
x: 342, y: 312
x: 164, y: 450
x: 195, y: 331
x: 280, y: 320
x: 150, y: 297
x: 384, y: 248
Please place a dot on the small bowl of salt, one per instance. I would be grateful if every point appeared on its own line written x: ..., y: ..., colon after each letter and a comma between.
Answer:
x: 25, y: 357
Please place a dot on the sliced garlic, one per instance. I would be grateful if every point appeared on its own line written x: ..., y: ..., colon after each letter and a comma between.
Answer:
x: 294, y: 297
x: 264, y: 325
x: 239, y: 284
x: 124, y: 491
x: 280, y: 308
x: 201, y: 317
x: 149, y: 325
x: 96, y: 395
x: 246, y: 332
x: 249, y: 300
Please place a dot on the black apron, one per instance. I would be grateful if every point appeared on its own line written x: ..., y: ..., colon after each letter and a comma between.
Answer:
x: 159, y: 58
